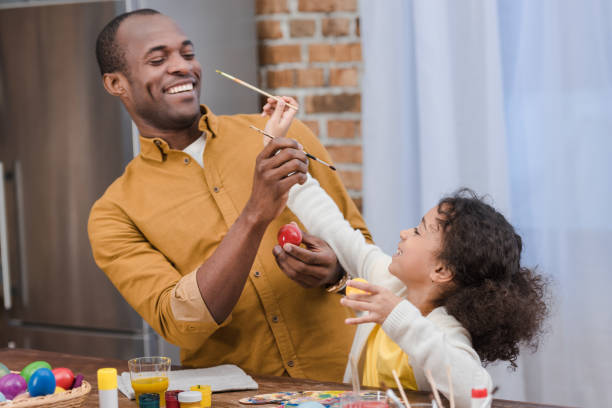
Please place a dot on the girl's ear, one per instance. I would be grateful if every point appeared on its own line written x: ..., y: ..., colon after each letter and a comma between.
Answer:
x: 114, y: 83
x: 442, y: 274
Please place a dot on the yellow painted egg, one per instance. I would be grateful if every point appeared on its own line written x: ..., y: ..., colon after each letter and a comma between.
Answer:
x: 351, y: 290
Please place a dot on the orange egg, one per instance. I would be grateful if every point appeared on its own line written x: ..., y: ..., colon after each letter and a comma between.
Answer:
x: 351, y: 290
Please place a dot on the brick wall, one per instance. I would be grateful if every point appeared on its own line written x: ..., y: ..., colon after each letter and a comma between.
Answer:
x: 311, y: 50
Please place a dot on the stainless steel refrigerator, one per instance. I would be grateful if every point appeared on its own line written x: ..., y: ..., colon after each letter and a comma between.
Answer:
x: 63, y: 140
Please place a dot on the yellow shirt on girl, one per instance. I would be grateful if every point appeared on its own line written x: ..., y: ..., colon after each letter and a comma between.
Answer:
x: 382, y: 356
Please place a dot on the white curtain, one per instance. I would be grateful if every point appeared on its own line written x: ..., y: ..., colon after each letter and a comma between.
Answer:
x: 512, y: 98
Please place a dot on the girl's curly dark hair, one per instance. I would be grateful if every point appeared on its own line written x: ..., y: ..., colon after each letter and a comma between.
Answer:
x: 500, y: 303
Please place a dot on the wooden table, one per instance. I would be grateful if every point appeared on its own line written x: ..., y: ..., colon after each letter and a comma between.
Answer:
x: 16, y: 359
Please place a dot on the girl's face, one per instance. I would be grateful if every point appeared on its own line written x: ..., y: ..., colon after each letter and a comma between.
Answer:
x: 416, y: 260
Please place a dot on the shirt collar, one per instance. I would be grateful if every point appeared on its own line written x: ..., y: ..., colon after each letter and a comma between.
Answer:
x: 209, y: 121
x: 157, y: 148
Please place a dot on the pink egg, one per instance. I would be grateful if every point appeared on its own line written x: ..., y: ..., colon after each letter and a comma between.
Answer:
x: 12, y: 385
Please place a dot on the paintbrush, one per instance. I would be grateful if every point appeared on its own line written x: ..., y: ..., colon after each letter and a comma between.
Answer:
x: 451, y: 392
x: 355, y: 377
x: 432, y: 383
x: 310, y: 156
x: 254, y: 88
x: 400, y: 388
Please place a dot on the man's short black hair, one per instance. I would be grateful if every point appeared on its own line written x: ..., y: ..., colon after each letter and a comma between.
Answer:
x: 111, y: 58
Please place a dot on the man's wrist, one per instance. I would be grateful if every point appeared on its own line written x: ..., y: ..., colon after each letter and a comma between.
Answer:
x: 340, y: 282
x: 253, y: 218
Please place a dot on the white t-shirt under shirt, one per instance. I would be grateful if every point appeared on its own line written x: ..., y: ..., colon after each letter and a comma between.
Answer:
x: 196, y: 150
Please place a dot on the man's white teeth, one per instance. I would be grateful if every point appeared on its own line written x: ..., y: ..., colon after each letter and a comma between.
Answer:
x: 180, y: 88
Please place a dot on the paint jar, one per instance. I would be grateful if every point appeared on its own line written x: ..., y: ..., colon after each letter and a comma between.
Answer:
x: 190, y: 399
x: 171, y: 397
x: 148, y: 400
x: 206, y: 394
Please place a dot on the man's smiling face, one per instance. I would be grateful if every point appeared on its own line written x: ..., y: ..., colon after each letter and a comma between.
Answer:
x: 163, y: 75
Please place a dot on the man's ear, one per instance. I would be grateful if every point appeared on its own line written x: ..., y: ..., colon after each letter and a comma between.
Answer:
x: 442, y: 274
x: 114, y: 83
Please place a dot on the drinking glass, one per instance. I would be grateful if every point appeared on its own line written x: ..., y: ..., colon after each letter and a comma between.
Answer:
x: 150, y: 375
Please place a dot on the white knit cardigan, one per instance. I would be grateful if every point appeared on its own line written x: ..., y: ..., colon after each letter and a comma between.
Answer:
x: 431, y: 342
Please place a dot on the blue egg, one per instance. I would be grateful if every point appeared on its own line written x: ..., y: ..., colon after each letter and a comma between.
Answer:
x: 42, y: 382
x: 311, y: 404
x: 2, y: 397
x: 4, y: 370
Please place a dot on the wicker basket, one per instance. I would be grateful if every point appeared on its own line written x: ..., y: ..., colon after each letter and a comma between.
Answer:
x: 69, y: 399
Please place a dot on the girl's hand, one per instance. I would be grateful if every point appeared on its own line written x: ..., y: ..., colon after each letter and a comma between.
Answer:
x: 378, y: 302
x: 280, y: 115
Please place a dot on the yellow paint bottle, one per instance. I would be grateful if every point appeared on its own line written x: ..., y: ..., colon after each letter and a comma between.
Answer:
x: 206, y: 394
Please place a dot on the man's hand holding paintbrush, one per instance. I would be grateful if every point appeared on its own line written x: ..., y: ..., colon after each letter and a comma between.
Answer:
x: 279, y: 166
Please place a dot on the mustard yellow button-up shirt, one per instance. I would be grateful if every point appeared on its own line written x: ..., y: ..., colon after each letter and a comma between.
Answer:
x: 158, y: 222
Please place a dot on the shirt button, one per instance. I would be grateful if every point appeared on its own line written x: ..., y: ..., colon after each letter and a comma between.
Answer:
x: 257, y: 274
x: 157, y: 142
x: 216, y: 189
x: 275, y: 319
x: 186, y: 160
x: 290, y: 363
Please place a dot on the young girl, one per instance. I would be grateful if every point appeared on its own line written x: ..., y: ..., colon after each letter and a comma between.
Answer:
x: 453, y: 295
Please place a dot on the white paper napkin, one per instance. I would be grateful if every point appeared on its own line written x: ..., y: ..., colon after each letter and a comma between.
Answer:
x: 227, y: 377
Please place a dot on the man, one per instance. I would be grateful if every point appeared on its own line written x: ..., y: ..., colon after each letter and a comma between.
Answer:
x: 187, y: 234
